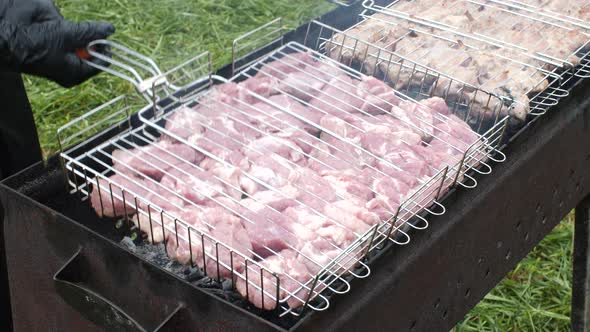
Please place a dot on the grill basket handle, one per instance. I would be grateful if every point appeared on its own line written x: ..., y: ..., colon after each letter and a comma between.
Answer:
x: 127, y: 64
x: 70, y: 282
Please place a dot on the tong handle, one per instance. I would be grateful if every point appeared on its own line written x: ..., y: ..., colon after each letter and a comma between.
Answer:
x: 83, y: 54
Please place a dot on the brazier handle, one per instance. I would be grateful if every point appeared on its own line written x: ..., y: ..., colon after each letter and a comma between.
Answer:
x: 70, y: 283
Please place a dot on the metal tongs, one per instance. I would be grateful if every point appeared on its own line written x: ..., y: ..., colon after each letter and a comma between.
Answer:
x: 129, y: 65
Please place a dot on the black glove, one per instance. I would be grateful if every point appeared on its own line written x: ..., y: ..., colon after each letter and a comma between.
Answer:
x: 43, y: 43
x: 27, y: 12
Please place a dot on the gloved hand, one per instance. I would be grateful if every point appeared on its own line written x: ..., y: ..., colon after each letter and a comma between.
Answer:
x: 27, y: 12
x: 35, y: 39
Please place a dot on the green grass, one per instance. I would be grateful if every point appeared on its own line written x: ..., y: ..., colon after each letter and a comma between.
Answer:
x: 533, y: 297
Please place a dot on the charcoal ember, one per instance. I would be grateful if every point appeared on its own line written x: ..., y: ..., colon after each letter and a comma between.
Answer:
x: 128, y: 243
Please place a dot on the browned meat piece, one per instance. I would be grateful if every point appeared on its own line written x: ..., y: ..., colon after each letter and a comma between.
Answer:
x: 511, y: 74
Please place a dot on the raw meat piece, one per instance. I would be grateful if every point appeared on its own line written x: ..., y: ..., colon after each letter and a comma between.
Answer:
x: 394, y: 171
x: 303, y: 222
x: 335, y: 154
x: 344, y: 126
x: 338, y: 97
x: 229, y: 230
x: 226, y: 93
x: 377, y: 134
x: 157, y: 210
x: 231, y: 157
x: 265, y: 86
x: 232, y: 180
x: 381, y: 144
x: 293, y: 106
x: 301, y: 85
x: 194, y: 184
x: 348, y: 185
x: 382, y: 209
x: 262, y: 216
x: 107, y: 204
x: 321, y: 240
x: 419, y: 116
x: 309, y: 226
x: 436, y: 104
x: 303, y: 139
x: 352, y: 215
x: 211, y: 108
x: 223, y: 227
x: 272, y: 170
x: 458, y: 129
x: 277, y: 200
x: 248, y: 185
x: 155, y: 159
x: 230, y: 204
x: 386, y: 120
x: 282, y: 67
x: 456, y: 138
x: 378, y: 97
x: 407, y: 160
x: 324, y: 70
x: 391, y: 191
x: 321, y: 158
x: 318, y: 254
x: 227, y: 172
x: 184, y: 123
x: 314, y: 191
x: 307, y: 83
x: 349, y: 150
x: 276, y: 145
x: 156, y: 226
x: 163, y: 197
x: 271, y: 119
x: 180, y: 249
x: 262, y: 224
x: 231, y: 132
x: 292, y: 275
